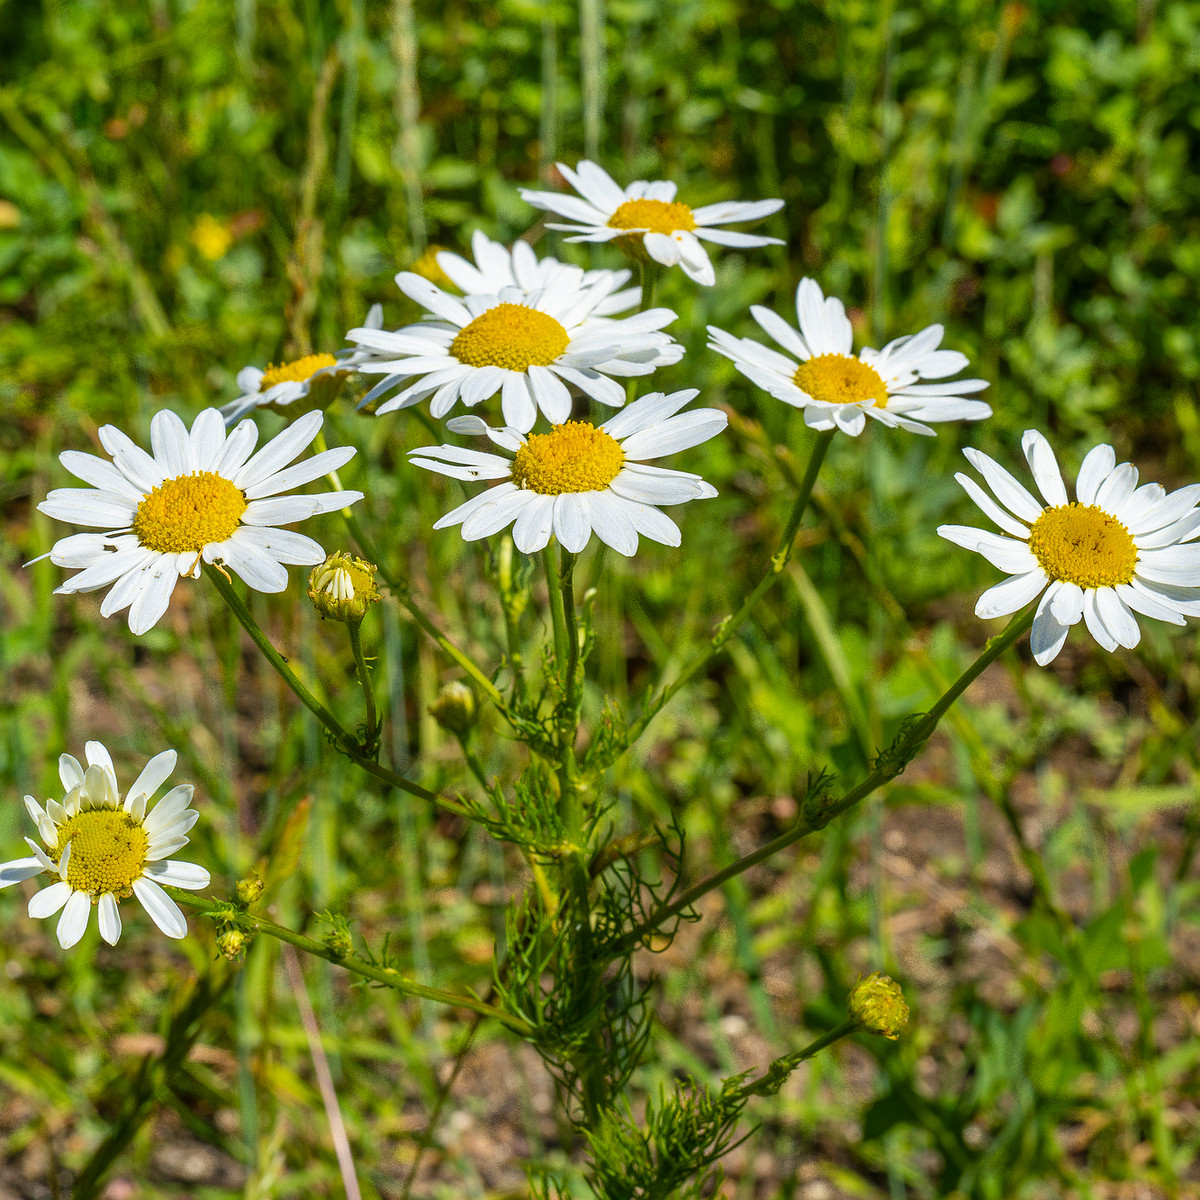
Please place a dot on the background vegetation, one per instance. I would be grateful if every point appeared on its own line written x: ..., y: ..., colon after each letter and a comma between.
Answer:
x: 189, y: 187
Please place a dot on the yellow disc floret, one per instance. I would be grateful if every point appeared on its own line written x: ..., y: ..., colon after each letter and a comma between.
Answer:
x: 296, y: 371
x: 512, y: 336
x: 575, y: 457
x: 108, y: 851
x: 840, y: 379
x: 653, y: 216
x: 1081, y: 543
x: 188, y: 513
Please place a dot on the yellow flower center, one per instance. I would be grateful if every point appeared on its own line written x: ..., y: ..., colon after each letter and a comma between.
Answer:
x: 840, y: 379
x: 108, y: 851
x: 656, y: 216
x: 189, y: 512
x: 296, y: 371
x: 511, y: 336
x: 575, y: 457
x: 1082, y: 544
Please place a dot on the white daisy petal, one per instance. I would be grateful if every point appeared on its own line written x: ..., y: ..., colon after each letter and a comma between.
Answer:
x: 179, y: 874
x: 1010, y: 595
x: 19, y: 870
x: 1047, y: 637
x: 1095, y: 468
x: 110, y: 919
x: 72, y: 925
x: 49, y: 900
x: 1044, y: 467
x: 164, y: 912
x: 1007, y: 490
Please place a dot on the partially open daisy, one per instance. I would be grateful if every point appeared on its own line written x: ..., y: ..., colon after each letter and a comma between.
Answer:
x: 100, y: 851
x: 1114, y: 551
x: 200, y: 497
x: 531, y: 341
x: 837, y: 389
x: 580, y: 479
x: 309, y: 382
x: 646, y: 219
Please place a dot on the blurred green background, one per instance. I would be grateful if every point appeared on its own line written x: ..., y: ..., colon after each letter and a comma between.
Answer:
x: 186, y: 188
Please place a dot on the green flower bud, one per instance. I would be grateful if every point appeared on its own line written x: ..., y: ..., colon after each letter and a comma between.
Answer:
x: 249, y: 889
x: 232, y: 942
x: 877, y: 1004
x: 339, y: 943
x: 454, y: 708
x: 343, y: 587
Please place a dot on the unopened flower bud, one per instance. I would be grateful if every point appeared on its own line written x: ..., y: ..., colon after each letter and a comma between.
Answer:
x: 454, y: 708
x: 340, y: 943
x: 249, y: 889
x: 232, y: 942
x: 877, y: 1004
x: 343, y: 587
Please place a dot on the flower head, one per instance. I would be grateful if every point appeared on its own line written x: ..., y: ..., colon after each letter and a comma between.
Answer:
x: 526, y: 328
x: 837, y: 389
x: 646, y: 220
x: 878, y: 1005
x: 200, y: 497
x: 580, y: 478
x: 1116, y: 550
x: 100, y: 851
x: 292, y: 388
x: 343, y: 587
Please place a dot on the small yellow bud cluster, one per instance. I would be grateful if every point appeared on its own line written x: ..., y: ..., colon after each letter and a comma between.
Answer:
x: 232, y: 943
x: 877, y: 1004
x: 250, y: 889
x: 454, y: 708
x: 343, y: 587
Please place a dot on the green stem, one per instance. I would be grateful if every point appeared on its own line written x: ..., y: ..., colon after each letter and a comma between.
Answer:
x: 731, y: 625
x: 387, y: 976
x: 344, y: 741
x: 649, y: 276
x: 557, y: 618
x: 371, y: 737
x: 772, y: 1079
x: 887, y: 768
x: 400, y: 590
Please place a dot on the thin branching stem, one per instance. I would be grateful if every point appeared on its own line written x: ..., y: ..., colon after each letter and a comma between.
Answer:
x: 886, y: 769
x: 385, y: 976
x: 730, y: 626
x: 371, y: 737
x: 345, y: 741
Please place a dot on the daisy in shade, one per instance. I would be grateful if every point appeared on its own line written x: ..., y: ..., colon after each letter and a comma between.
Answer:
x: 100, y: 851
x: 580, y: 479
x: 292, y: 388
x: 645, y: 219
x: 532, y: 339
x: 837, y: 389
x: 1116, y: 550
x: 199, y: 497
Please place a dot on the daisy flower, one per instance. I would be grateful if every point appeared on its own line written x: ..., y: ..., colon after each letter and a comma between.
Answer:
x: 580, y: 479
x: 1114, y: 551
x: 199, y: 497
x: 294, y: 387
x: 838, y: 390
x: 645, y: 219
x: 100, y: 851
x: 526, y: 329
